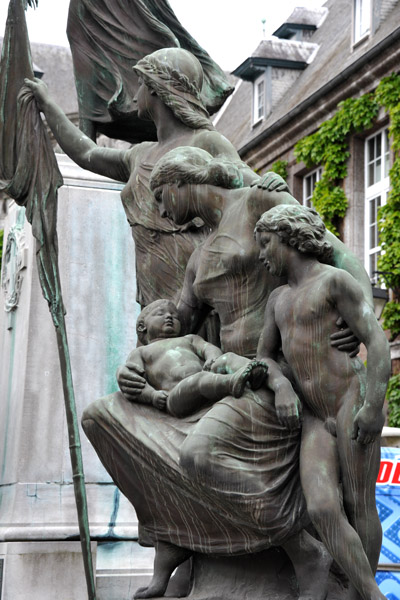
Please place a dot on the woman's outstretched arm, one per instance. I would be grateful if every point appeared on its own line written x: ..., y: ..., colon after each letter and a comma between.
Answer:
x: 82, y: 150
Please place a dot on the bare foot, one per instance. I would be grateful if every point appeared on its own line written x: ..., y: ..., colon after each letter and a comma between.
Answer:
x: 167, y: 558
x: 152, y: 591
x: 311, y: 562
x: 255, y: 373
x: 258, y: 374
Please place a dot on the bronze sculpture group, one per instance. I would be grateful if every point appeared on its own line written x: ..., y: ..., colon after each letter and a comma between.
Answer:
x: 218, y: 456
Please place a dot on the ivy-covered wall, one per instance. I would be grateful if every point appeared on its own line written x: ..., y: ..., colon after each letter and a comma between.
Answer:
x: 281, y: 168
x: 388, y: 96
x: 329, y: 147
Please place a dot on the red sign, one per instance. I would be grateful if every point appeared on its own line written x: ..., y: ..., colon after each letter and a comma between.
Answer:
x: 389, y: 472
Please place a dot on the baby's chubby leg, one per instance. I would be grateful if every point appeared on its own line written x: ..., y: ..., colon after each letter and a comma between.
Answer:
x: 230, y: 363
x: 197, y: 390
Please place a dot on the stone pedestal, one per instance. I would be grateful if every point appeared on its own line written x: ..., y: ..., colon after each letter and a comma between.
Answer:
x: 122, y: 567
x: 43, y: 570
x: 97, y: 268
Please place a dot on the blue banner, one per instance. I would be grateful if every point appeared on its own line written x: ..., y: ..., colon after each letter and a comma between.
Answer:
x: 388, y: 505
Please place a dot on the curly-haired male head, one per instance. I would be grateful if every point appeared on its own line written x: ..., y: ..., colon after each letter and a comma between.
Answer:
x: 300, y: 227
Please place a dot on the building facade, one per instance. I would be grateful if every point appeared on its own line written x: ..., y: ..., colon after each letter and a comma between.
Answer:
x: 294, y: 82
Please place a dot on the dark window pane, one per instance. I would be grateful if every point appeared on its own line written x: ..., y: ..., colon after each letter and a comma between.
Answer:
x: 371, y: 153
x: 378, y: 145
x: 370, y: 174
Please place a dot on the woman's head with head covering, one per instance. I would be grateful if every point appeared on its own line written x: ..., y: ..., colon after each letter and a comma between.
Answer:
x: 176, y: 76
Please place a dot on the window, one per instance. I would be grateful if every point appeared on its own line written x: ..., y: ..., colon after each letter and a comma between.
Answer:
x: 377, y: 150
x: 362, y: 19
x: 309, y: 183
x: 259, y: 99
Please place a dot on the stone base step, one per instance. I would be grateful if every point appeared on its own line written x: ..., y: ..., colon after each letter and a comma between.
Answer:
x: 122, y: 567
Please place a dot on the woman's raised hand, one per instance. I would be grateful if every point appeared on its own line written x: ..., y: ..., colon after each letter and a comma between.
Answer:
x: 39, y: 90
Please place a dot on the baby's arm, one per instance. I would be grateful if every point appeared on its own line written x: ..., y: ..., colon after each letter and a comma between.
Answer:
x: 206, y: 351
x: 287, y: 403
x: 145, y: 394
x: 358, y: 314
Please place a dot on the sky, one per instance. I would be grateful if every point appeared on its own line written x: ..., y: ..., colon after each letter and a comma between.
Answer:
x: 227, y: 31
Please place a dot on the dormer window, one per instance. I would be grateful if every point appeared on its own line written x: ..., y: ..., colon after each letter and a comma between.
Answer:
x: 259, y: 110
x: 362, y: 19
x: 272, y: 69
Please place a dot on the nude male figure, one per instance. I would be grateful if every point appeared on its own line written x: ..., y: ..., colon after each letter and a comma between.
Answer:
x: 343, y: 401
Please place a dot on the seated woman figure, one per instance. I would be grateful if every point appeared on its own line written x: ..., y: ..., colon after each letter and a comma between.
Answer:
x: 250, y: 501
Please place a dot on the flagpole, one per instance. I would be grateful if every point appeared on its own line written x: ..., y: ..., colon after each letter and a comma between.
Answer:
x: 29, y: 173
x: 76, y: 456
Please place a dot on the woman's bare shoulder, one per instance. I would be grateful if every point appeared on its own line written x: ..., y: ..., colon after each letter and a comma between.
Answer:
x: 215, y: 143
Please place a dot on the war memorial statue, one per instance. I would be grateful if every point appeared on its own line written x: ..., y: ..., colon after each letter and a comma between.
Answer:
x: 220, y: 458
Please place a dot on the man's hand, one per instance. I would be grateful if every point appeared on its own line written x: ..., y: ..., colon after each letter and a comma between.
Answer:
x: 209, y: 363
x: 288, y: 408
x: 272, y: 182
x: 39, y: 90
x: 160, y: 399
x: 367, y: 425
x: 345, y: 340
x: 131, y: 380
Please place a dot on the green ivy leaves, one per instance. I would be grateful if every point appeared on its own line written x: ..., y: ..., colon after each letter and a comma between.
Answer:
x: 280, y: 167
x: 393, y: 398
x: 328, y: 146
x: 388, y: 95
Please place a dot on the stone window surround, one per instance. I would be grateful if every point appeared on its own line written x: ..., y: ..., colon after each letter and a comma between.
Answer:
x: 361, y: 32
x: 260, y: 82
x: 379, y: 189
x: 313, y: 177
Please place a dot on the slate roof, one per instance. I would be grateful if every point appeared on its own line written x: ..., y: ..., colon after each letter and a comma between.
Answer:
x: 284, y: 49
x: 302, y: 19
x: 335, y: 57
x: 306, y: 16
x: 276, y: 52
x: 56, y: 64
